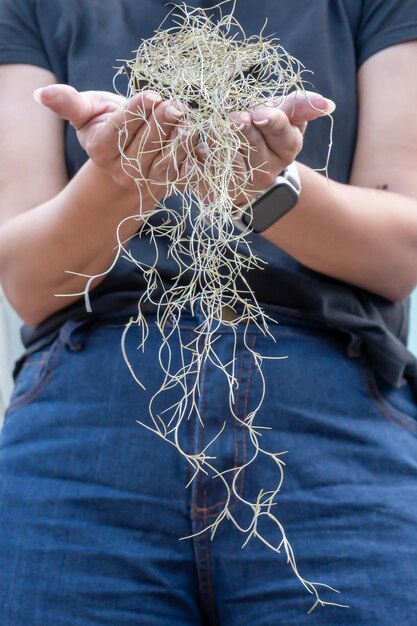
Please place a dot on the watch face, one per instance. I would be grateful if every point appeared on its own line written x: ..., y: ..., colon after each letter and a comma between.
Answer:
x: 271, y: 207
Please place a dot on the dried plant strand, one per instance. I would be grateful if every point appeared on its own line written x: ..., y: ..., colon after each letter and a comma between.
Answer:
x: 212, y: 69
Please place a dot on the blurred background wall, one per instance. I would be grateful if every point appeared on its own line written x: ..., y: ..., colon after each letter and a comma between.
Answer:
x: 413, y: 318
x: 11, y: 348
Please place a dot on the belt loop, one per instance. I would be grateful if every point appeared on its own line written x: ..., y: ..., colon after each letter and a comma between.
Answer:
x: 74, y: 334
x: 354, y: 347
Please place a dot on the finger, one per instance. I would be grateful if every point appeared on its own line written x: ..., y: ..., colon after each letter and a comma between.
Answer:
x: 76, y: 107
x: 187, y: 176
x: 299, y: 107
x: 303, y: 107
x: 208, y: 157
x: 118, y: 130
x: 264, y: 162
x: 168, y: 164
x: 66, y: 102
x: 147, y: 157
x: 283, y: 139
x: 156, y: 134
x: 152, y: 145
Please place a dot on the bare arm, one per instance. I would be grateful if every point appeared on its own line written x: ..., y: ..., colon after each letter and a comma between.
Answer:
x: 47, y: 224
x: 365, y: 233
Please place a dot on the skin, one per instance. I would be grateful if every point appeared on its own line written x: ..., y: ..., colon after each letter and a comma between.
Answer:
x: 357, y: 233
x: 365, y: 233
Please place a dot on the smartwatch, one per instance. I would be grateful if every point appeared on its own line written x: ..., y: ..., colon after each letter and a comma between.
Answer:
x: 271, y: 204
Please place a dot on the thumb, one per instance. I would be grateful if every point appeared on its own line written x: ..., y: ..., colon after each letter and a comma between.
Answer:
x: 66, y: 102
x: 305, y: 106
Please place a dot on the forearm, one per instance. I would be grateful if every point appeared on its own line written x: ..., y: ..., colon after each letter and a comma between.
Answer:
x: 366, y: 237
x: 74, y: 231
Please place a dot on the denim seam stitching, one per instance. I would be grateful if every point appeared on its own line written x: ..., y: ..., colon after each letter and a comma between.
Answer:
x: 384, y: 408
x: 210, y: 599
x: 245, y: 412
x: 235, y: 422
x: 198, y: 568
x: 203, y: 510
x: 197, y: 508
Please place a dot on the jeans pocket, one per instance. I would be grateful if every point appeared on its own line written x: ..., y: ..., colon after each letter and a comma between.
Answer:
x: 394, y: 403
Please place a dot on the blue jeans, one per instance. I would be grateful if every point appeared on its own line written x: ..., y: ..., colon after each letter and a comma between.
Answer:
x: 93, y: 505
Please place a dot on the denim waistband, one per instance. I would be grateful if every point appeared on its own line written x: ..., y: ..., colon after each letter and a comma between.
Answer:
x: 281, y: 315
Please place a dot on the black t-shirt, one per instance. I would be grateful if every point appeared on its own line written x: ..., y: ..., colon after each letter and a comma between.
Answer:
x: 80, y: 41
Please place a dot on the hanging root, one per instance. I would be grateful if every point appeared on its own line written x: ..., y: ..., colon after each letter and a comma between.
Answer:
x: 168, y: 424
x: 213, y: 69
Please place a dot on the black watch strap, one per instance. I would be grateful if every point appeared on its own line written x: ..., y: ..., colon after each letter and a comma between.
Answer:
x: 271, y: 204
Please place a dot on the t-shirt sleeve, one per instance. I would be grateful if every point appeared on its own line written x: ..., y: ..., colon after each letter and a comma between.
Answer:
x: 385, y: 23
x: 20, y: 37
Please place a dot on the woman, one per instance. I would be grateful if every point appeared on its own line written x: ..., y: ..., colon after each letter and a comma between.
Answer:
x: 94, y: 505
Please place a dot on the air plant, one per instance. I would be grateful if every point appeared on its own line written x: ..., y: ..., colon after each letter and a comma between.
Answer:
x: 213, y: 69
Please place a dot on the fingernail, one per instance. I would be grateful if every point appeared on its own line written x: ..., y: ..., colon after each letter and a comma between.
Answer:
x: 201, y: 151
x: 37, y: 95
x: 174, y: 112
x: 323, y: 104
x: 263, y: 122
x: 330, y: 106
x: 320, y: 103
x: 152, y: 97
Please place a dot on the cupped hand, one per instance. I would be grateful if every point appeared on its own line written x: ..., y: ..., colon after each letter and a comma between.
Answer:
x: 140, y: 128
x: 271, y: 138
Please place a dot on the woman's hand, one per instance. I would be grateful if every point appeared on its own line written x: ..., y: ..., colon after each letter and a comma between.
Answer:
x: 53, y: 231
x: 107, y: 125
x: 272, y: 137
x: 365, y: 233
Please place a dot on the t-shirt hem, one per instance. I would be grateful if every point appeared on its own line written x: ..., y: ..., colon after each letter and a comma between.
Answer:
x: 29, y: 57
x: 391, y: 38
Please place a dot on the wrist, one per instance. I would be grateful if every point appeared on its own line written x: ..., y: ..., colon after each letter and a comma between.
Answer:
x: 125, y: 199
x: 272, y: 203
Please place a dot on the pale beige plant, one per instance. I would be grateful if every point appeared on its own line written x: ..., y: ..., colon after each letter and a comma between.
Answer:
x: 213, y: 69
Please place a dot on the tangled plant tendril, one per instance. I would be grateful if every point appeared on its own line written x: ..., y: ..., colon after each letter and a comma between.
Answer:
x: 213, y: 69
